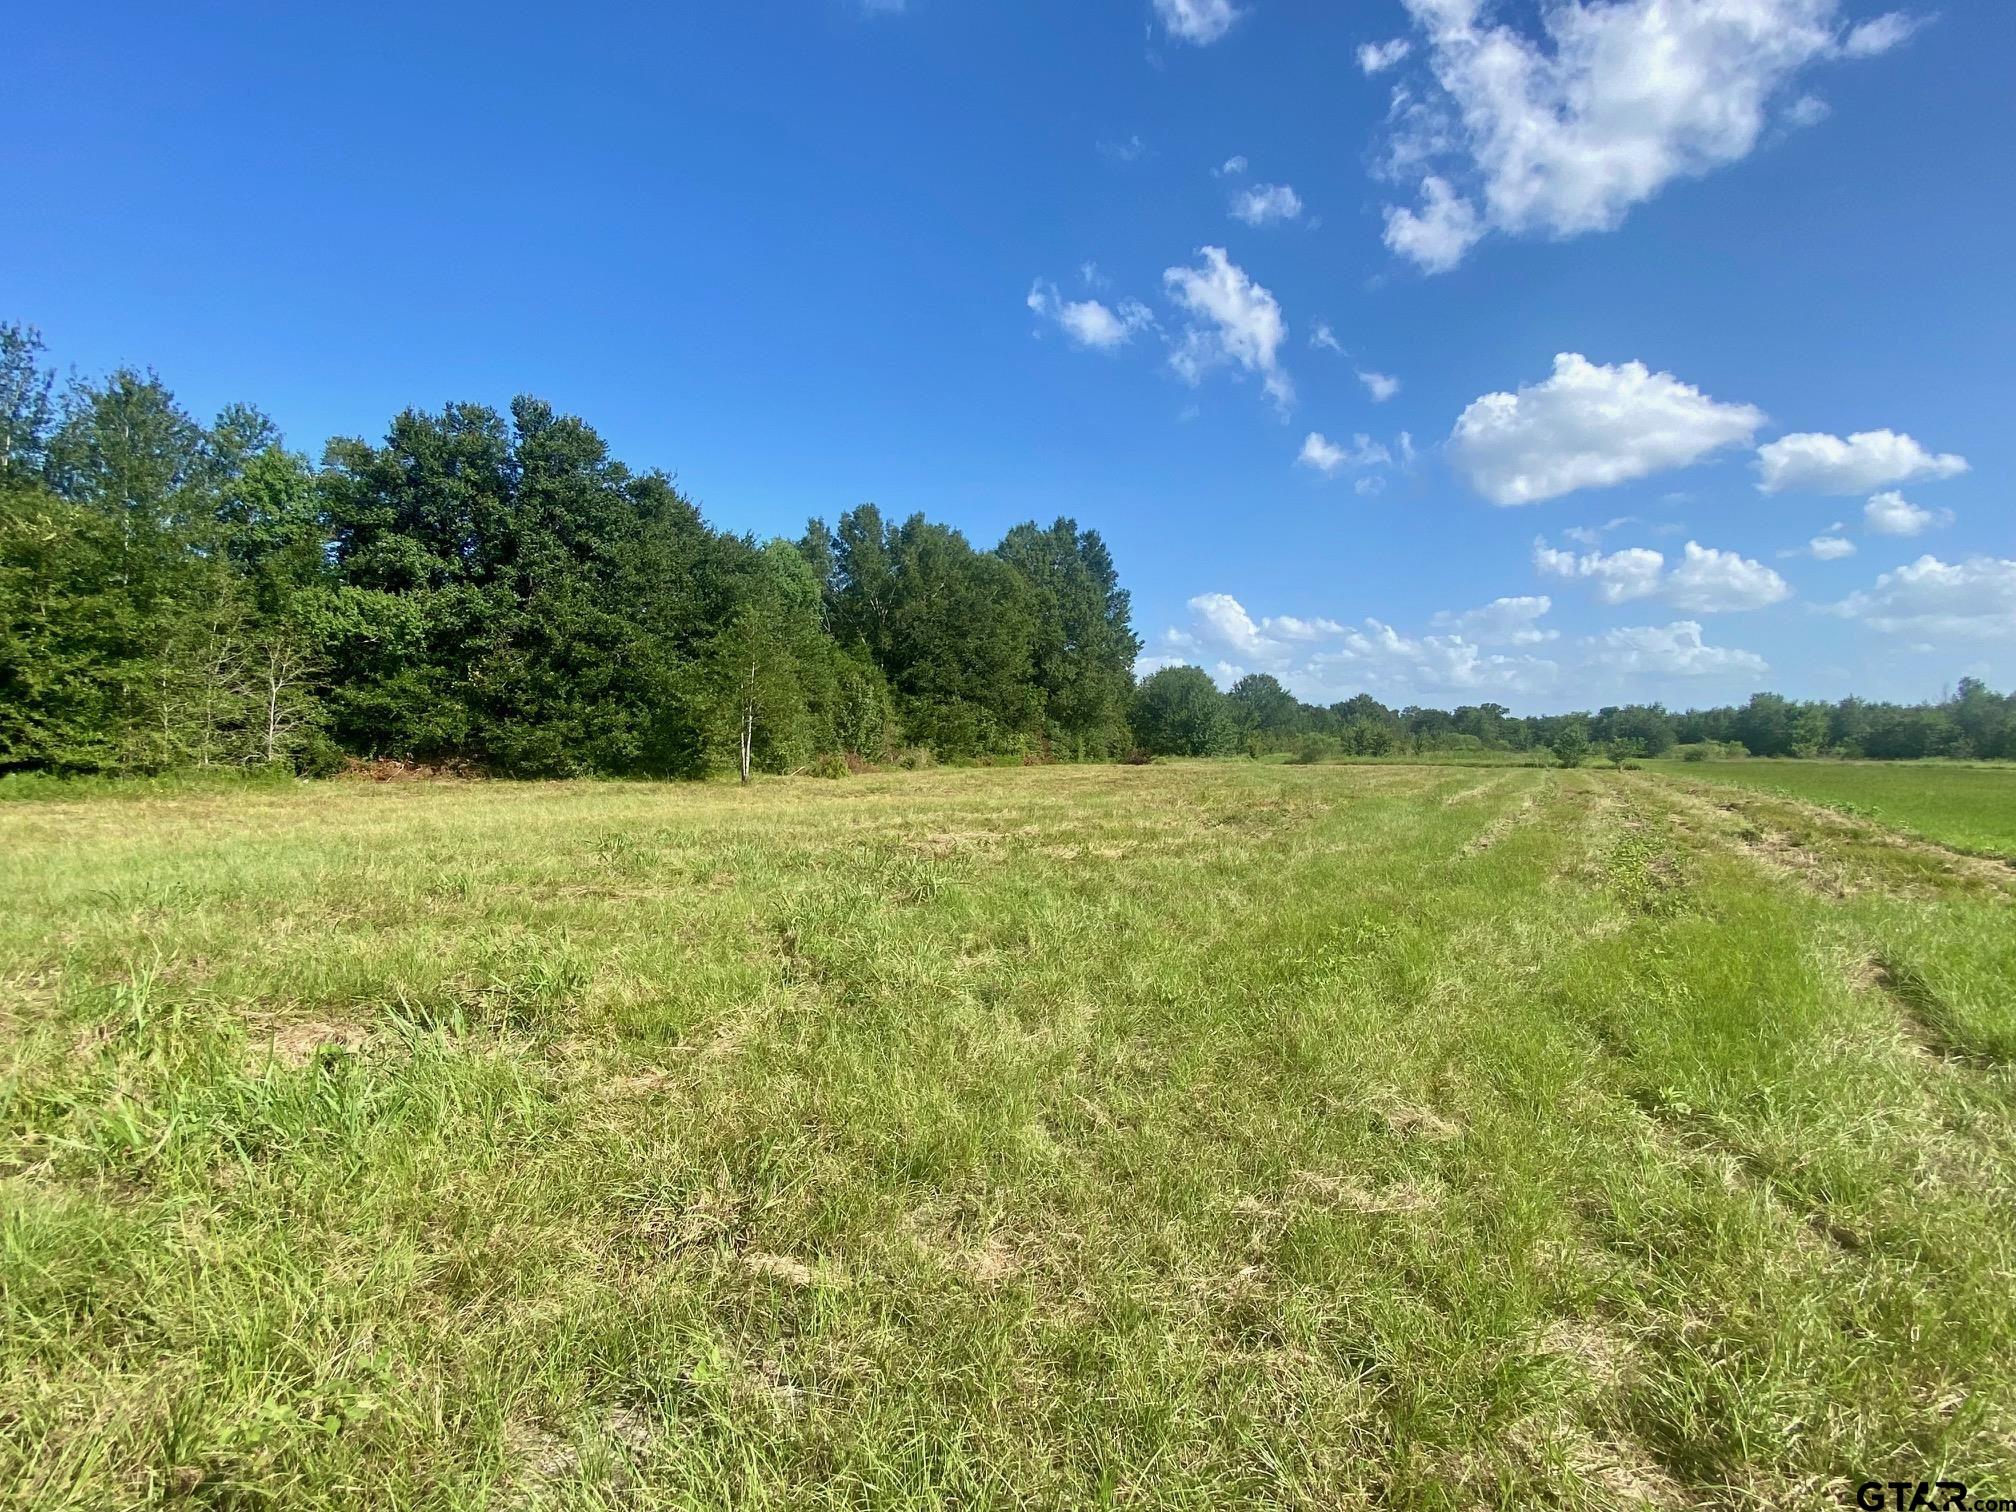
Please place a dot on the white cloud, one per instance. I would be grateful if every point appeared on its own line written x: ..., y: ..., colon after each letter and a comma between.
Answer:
x: 1619, y: 577
x: 1564, y: 134
x: 1487, y: 652
x: 1264, y: 204
x: 1675, y: 650
x: 1438, y: 234
x: 1233, y: 167
x: 1087, y: 322
x: 1707, y: 581
x: 1890, y: 513
x: 1322, y: 454
x: 1589, y: 426
x: 1816, y: 462
x: 1377, y: 57
x: 1324, y: 659
x: 1974, y: 599
x: 1807, y: 110
x: 1830, y: 548
x: 1328, y: 458
x: 883, y: 7
x: 1880, y: 34
x: 1197, y: 21
x: 1240, y: 324
x: 1323, y: 336
x: 1380, y: 657
x: 1514, y: 621
x: 1223, y: 624
x: 1379, y: 385
x: 1123, y: 152
x: 1703, y: 581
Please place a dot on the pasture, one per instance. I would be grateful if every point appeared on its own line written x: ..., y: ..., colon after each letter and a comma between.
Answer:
x: 1180, y: 1136
x: 1968, y: 807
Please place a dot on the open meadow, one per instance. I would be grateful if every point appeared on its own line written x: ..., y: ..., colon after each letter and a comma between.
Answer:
x: 1191, y: 1135
x: 1970, y: 807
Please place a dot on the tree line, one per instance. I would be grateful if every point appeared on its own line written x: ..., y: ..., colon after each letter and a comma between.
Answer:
x: 498, y: 591
x: 1180, y: 711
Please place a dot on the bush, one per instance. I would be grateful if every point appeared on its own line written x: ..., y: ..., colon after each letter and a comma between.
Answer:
x: 1570, y: 747
x: 1311, y: 749
x: 916, y: 758
x: 831, y: 764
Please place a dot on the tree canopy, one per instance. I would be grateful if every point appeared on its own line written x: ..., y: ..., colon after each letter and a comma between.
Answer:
x: 497, y: 591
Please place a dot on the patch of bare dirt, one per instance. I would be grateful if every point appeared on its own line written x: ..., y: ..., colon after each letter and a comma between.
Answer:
x: 1411, y: 1121
x: 295, y: 1045
x: 787, y: 1269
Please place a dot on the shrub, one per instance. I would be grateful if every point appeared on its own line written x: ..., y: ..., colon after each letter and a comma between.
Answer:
x: 1570, y: 747
x: 916, y: 758
x: 830, y: 764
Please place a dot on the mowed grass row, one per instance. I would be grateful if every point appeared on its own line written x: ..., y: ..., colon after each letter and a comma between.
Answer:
x: 1178, y: 1136
x: 1972, y: 808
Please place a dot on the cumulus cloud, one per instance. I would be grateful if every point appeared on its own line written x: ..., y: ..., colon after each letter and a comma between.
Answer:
x: 1235, y: 321
x: 1323, y: 659
x: 1087, y: 322
x: 1509, y: 621
x: 1890, y: 513
x: 1200, y: 22
x: 1383, y: 659
x: 1380, y: 386
x: 1232, y: 168
x: 1618, y: 576
x: 1377, y: 57
x: 1973, y: 600
x: 1440, y: 232
x: 1490, y: 651
x: 1265, y: 204
x: 1815, y: 462
x: 1323, y: 336
x: 1588, y: 426
x: 1830, y: 548
x: 1675, y: 650
x: 1564, y: 133
x: 1222, y: 624
x: 1707, y: 581
x: 1328, y: 458
x: 1704, y: 580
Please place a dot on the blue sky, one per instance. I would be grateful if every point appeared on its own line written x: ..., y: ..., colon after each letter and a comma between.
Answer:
x: 1733, y: 274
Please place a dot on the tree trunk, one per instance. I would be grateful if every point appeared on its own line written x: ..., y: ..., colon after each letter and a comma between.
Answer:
x: 748, y: 736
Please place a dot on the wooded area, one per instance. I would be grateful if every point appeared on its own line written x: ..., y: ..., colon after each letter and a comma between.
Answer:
x: 499, y: 593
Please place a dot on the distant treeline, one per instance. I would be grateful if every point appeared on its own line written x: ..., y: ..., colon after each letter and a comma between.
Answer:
x: 500, y: 593
x: 1180, y: 711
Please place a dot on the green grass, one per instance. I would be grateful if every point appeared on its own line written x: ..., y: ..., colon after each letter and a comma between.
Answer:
x: 1180, y: 1136
x: 1969, y: 807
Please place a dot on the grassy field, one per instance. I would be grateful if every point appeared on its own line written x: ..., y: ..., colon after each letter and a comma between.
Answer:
x: 1197, y: 1135
x: 1970, y: 807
